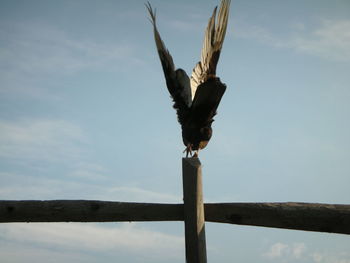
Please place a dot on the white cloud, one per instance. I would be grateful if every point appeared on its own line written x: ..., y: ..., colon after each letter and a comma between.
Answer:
x: 259, y: 33
x: 277, y: 250
x: 329, y: 40
x: 134, y: 194
x: 25, y: 187
x: 40, y: 139
x: 82, y: 237
x: 37, y: 48
x: 322, y: 257
x: 317, y: 257
x: 89, y: 171
x: 17, y: 253
x: 298, y: 252
x: 284, y: 251
x: 34, y: 55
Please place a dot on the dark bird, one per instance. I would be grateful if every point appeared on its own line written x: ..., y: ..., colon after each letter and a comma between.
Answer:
x: 196, y: 99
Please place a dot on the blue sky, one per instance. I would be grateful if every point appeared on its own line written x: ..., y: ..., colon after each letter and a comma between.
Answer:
x: 85, y: 114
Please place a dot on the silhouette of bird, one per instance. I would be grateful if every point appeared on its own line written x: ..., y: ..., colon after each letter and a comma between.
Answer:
x: 196, y: 99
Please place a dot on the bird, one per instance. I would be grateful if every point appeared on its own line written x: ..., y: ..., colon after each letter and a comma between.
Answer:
x: 196, y: 98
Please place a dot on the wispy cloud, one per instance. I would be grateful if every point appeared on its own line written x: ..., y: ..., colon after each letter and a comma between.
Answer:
x: 19, y: 252
x: 38, y: 49
x: 187, y: 25
x: 283, y: 252
x: 259, y: 33
x: 90, y: 171
x: 83, y: 238
x: 33, y: 56
x: 68, y: 186
x: 321, y: 257
x: 40, y: 139
x: 276, y: 250
x: 18, y: 186
x: 135, y: 194
x: 330, y: 39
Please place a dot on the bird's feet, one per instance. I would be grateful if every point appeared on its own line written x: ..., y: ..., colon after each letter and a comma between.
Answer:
x: 188, y: 150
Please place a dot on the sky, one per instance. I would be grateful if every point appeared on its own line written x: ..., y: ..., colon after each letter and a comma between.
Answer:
x: 85, y: 114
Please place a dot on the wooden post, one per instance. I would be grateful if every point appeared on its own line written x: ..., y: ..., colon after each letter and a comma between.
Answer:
x: 193, y: 211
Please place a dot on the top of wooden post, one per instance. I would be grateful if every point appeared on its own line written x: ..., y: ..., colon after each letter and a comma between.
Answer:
x: 191, y: 161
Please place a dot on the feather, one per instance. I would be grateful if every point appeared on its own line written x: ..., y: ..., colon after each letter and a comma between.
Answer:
x: 206, y: 101
x: 197, y: 99
x: 177, y: 81
x: 212, y: 45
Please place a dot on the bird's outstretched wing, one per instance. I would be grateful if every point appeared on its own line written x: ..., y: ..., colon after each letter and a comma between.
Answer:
x: 177, y: 81
x: 213, y: 40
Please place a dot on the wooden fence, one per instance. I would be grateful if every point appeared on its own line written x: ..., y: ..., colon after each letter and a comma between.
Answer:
x: 332, y: 218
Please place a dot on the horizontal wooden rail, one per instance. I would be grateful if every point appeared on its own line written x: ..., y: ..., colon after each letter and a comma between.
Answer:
x: 87, y: 211
x: 299, y: 216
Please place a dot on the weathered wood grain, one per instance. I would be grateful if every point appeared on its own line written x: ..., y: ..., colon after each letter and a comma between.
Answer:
x: 332, y: 218
x: 301, y: 216
x: 193, y: 211
x: 87, y: 211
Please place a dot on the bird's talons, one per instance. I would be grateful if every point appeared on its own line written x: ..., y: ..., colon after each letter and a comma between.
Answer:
x: 188, y: 150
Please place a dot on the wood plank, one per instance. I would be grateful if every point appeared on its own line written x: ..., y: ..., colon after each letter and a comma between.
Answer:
x: 331, y: 218
x: 87, y: 211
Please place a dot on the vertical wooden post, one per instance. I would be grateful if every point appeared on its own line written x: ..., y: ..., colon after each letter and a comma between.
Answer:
x: 193, y: 211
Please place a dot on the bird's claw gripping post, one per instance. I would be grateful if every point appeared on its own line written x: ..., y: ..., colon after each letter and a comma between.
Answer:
x: 188, y: 150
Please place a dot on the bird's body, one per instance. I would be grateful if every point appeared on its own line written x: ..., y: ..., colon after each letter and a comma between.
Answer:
x: 197, y: 131
x: 196, y: 99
